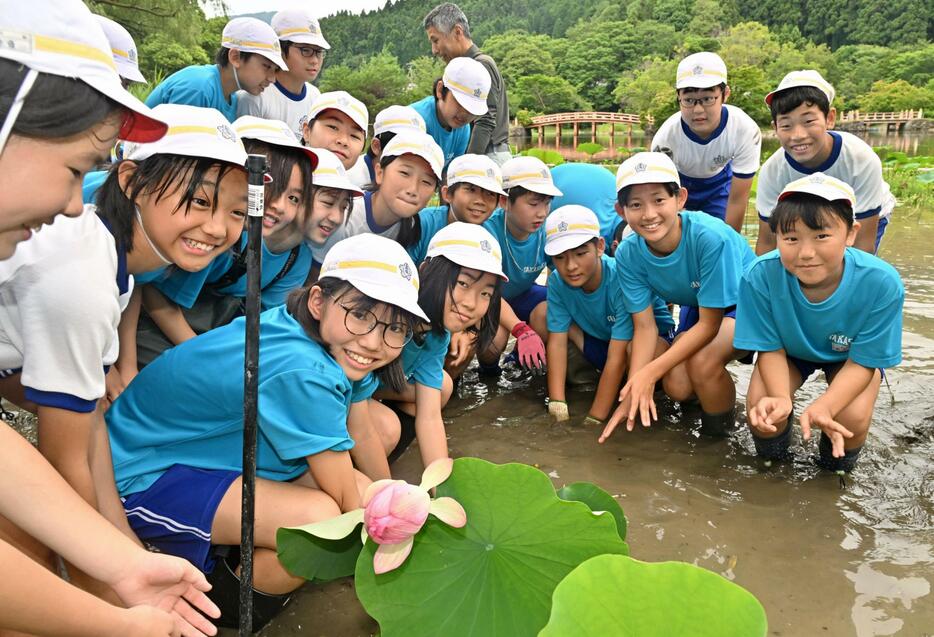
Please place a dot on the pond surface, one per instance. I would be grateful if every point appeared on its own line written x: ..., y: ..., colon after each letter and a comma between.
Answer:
x: 822, y: 558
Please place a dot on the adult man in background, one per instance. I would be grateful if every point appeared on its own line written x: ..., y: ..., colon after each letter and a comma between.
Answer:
x: 449, y: 34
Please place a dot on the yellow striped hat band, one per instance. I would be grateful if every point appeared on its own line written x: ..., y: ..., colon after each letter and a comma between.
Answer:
x: 574, y: 226
x: 477, y: 93
x: 463, y: 242
x: 236, y: 42
x: 477, y: 173
x: 74, y: 49
x: 374, y: 265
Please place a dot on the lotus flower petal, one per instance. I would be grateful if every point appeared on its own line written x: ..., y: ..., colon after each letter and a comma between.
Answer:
x: 436, y: 473
x: 390, y: 556
x: 449, y: 511
x: 374, y: 488
x: 396, y: 512
x: 334, y: 528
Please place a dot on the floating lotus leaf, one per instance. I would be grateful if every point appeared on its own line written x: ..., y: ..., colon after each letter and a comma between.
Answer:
x: 598, y: 500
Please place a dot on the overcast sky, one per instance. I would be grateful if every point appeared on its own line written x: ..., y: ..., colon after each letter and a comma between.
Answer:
x: 318, y: 9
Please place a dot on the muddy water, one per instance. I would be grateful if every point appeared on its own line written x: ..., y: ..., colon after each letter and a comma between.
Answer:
x: 822, y: 559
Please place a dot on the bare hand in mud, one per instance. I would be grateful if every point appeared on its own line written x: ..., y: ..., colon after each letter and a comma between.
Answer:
x: 618, y: 416
x: 768, y: 411
x: 640, y: 391
x: 816, y: 415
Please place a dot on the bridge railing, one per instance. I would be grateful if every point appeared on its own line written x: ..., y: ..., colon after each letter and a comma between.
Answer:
x: 587, y: 116
x: 894, y: 116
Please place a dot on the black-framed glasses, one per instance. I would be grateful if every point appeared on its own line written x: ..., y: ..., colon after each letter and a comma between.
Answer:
x: 691, y: 102
x: 360, y: 322
x: 312, y: 52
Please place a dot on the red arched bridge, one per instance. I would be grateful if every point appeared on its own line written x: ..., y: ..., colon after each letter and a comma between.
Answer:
x: 589, y: 117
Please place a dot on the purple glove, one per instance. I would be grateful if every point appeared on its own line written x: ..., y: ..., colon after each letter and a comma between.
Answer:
x: 530, y: 346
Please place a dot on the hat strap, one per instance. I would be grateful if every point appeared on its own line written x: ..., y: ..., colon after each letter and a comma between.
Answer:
x: 17, y: 106
x: 139, y: 220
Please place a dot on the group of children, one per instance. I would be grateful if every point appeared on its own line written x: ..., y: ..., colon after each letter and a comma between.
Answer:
x: 121, y: 323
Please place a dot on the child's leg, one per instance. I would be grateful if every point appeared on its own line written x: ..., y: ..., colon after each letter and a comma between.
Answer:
x: 386, y: 422
x: 538, y: 319
x: 856, y: 417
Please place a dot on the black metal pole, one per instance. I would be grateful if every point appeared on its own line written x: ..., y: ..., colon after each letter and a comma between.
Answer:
x: 256, y: 169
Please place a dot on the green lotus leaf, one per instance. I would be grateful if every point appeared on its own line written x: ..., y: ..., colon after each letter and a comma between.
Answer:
x: 315, y: 558
x: 496, y: 575
x: 598, y: 500
x: 617, y: 595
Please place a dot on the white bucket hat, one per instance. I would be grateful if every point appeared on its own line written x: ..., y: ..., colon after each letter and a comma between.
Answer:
x: 478, y: 170
x: 271, y: 131
x: 395, y: 119
x: 61, y: 37
x: 804, y: 78
x: 378, y: 267
x: 469, y: 81
x: 418, y: 144
x: 193, y: 132
x: 330, y: 173
x: 251, y: 35
x: 469, y: 246
x: 701, y: 70
x: 123, y: 48
x: 569, y: 227
x: 297, y: 25
x: 531, y: 173
x: 647, y: 168
x: 345, y: 103
x: 823, y: 186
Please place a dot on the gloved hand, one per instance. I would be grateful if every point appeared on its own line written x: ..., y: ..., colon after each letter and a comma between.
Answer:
x: 558, y: 409
x: 529, y: 345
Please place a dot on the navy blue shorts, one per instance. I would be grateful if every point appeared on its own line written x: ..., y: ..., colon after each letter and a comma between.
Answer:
x: 806, y: 368
x: 690, y: 315
x: 175, y: 514
x: 523, y: 304
x: 595, y: 351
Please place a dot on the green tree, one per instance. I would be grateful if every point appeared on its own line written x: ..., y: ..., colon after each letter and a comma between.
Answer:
x: 748, y: 44
x: 517, y: 53
x: 159, y: 55
x: 378, y: 83
x: 677, y: 13
x: 422, y: 73
x: 548, y: 94
x: 649, y: 90
x: 748, y: 86
x: 915, y: 66
x: 897, y: 96
x: 855, y: 68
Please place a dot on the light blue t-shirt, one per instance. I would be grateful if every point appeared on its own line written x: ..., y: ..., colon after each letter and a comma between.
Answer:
x: 187, y: 406
x: 703, y: 271
x: 591, y: 186
x: 91, y: 184
x: 454, y: 141
x: 196, y: 86
x: 861, y: 320
x: 431, y: 219
x: 523, y: 261
x: 601, y: 313
x: 423, y: 364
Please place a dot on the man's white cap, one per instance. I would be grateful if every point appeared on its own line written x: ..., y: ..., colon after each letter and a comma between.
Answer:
x: 297, y: 25
x: 123, y: 48
x: 395, y: 118
x: 378, y: 267
x: 821, y: 185
x: 469, y: 81
x: 469, y: 246
x: 61, y: 37
x: 478, y: 170
x: 330, y: 173
x: 701, y: 70
x: 569, y: 227
x: 271, y: 131
x: 647, y: 168
x: 418, y: 144
x: 804, y: 78
x: 531, y: 173
x: 345, y: 103
x: 193, y: 132
x: 251, y: 35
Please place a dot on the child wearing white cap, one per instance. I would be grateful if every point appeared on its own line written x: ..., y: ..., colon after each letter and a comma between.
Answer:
x: 687, y: 258
x: 290, y: 97
x: 462, y: 278
x: 337, y: 121
x: 817, y: 303
x: 247, y: 60
x: 458, y: 98
x: 715, y: 145
x: 124, y: 50
x: 519, y: 227
x: 185, y: 499
x: 585, y: 308
x: 388, y: 122
x: 803, y: 116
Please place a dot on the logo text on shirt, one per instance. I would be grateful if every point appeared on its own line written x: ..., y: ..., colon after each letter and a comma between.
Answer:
x: 840, y: 342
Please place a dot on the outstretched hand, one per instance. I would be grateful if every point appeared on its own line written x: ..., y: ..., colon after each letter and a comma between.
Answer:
x: 816, y: 415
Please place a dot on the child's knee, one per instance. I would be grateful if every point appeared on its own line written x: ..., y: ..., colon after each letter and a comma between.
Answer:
x: 677, y: 385
x: 538, y: 319
x: 704, y: 366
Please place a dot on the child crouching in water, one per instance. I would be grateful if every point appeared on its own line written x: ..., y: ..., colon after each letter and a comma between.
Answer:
x: 817, y: 303
x: 462, y: 279
x: 586, y: 308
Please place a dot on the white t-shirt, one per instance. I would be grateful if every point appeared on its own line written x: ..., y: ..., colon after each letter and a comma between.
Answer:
x: 60, y: 306
x: 852, y: 160
x: 276, y: 102
x: 360, y: 221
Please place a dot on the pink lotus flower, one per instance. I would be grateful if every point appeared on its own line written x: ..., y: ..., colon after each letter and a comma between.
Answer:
x: 393, y: 512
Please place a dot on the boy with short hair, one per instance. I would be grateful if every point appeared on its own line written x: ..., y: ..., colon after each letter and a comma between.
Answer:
x: 817, y: 303
x: 337, y: 122
x: 586, y: 309
x: 290, y: 97
x: 458, y: 98
x: 803, y: 116
x: 715, y: 145
x: 389, y: 122
x: 247, y: 60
